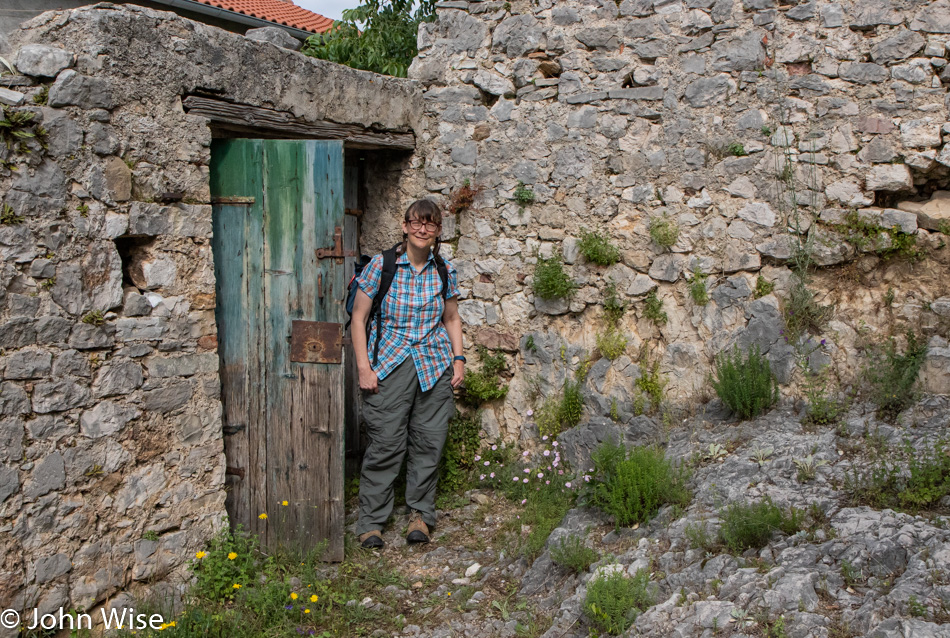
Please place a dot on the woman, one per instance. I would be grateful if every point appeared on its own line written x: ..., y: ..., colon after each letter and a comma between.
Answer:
x: 407, y: 389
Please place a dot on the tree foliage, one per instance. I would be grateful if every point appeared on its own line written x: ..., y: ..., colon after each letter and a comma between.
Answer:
x: 386, y: 43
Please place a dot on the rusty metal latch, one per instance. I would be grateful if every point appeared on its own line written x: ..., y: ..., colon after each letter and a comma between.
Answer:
x: 316, y: 342
x: 337, y: 251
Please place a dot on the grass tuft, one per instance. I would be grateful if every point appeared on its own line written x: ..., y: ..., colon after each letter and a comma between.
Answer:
x: 745, y: 383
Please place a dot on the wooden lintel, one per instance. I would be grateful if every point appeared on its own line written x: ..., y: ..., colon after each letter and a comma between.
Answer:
x: 282, y: 123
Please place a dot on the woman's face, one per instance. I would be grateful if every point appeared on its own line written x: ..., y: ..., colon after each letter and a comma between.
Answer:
x: 421, y: 234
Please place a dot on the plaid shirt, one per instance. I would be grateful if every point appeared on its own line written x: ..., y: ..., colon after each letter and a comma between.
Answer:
x: 411, y: 318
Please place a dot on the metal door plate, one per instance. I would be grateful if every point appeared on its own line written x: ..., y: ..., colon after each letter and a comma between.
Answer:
x: 316, y: 342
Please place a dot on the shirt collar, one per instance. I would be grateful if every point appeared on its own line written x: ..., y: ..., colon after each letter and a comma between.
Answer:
x: 404, y: 258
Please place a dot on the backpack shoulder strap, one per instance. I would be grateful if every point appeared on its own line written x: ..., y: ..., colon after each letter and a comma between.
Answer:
x: 443, y: 274
x: 385, y: 282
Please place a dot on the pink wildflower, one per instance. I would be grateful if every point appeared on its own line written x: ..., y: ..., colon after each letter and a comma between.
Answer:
x: 487, y: 463
x: 525, y: 481
x: 544, y: 438
x: 523, y: 501
x: 492, y: 475
x: 529, y: 412
x: 481, y: 478
x: 547, y: 453
x: 568, y: 484
x: 494, y: 447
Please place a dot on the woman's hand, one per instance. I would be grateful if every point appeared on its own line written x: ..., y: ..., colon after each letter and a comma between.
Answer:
x: 369, y: 382
x: 458, y: 373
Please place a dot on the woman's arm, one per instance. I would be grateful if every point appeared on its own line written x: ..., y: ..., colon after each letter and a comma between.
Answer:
x: 453, y: 324
x: 361, y: 307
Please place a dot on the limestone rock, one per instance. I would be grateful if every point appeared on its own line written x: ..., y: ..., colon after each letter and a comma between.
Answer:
x: 73, y: 89
x: 920, y: 133
x: 107, y: 417
x: 493, y: 83
x: 933, y: 17
x: 902, y: 45
x: 40, y: 60
x: 274, y: 35
x: 758, y: 213
x: 868, y: 14
x: 709, y: 91
x: 889, y: 177
x: 745, y: 53
x: 933, y: 214
x: 48, y: 475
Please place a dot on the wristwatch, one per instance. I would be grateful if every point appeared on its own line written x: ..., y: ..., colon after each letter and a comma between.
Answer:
x: 459, y: 357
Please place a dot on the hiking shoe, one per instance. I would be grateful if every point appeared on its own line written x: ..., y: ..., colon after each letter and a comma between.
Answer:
x: 418, y: 530
x: 371, y: 540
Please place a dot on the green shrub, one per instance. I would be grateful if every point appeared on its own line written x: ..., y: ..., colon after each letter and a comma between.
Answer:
x: 697, y: 289
x: 632, y: 485
x: 597, y: 249
x: 524, y: 195
x: 802, y: 313
x: 550, y: 280
x: 614, y: 306
x: 664, y: 231
x: 230, y: 559
x: 653, y: 309
x: 917, y: 481
x: 562, y: 411
x: 461, y: 446
x: 9, y: 216
x: 736, y: 149
x: 745, y: 384
x: 892, y: 375
x: 614, y: 600
x: 612, y: 343
x: 486, y: 384
x: 571, y: 553
x: 822, y: 406
x: 751, y: 525
x: 698, y: 536
x: 763, y: 287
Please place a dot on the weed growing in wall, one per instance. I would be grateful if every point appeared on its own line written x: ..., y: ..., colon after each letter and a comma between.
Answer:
x: 614, y: 305
x: 462, y: 197
x: 887, y: 243
x: 653, y: 309
x: 745, y: 383
x: 486, y: 384
x: 597, y: 248
x: 751, y: 525
x: 461, y: 446
x: 9, y: 216
x: 892, y: 375
x: 664, y: 231
x: 909, y: 480
x: 550, y: 279
x: 697, y: 289
x: 651, y: 383
x: 611, y: 343
x: 763, y: 287
x: 736, y: 149
x: 632, y: 485
x: 94, y: 318
x: 523, y: 195
x: 614, y: 600
x: 565, y: 409
x: 823, y: 407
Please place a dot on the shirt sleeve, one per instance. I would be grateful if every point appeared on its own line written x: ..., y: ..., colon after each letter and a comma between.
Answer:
x: 368, y: 280
x: 453, y: 281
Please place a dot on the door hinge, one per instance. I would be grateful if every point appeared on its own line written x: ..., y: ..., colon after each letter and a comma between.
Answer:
x: 244, y: 201
x: 235, y: 471
x: 337, y: 251
x: 233, y: 428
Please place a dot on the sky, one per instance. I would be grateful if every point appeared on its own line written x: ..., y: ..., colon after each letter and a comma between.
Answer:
x: 329, y: 8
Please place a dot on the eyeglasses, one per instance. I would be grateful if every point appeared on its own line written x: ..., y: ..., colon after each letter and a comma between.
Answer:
x: 417, y: 225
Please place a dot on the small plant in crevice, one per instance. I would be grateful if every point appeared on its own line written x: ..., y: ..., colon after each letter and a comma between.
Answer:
x: 614, y: 600
x: 83, y: 209
x: 632, y: 485
x: 462, y: 198
x: 571, y: 553
x: 697, y: 289
x: 801, y: 311
x: 20, y: 132
x: 523, y: 195
x: 651, y: 383
x: 565, y: 409
x: 614, y: 306
x: 94, y: 318
x: 751, y: 525
x: 611, y: 343
x: 745, y: 383
x: 41, y: 97
x: 486, y: 384
x: 892, y: 375
x: 550, y: 279
x: 763, y: 287
x: 822, y: 406
x: 887, y: 243
x: 664, y: 231
x: 736, y: 149
x: 911, y: 479
x: 9, y: 216
x: 47, y: 284
x: 653, y: 309
x: 888, y: 298
x: 597, y: 248
x: 808, y: 468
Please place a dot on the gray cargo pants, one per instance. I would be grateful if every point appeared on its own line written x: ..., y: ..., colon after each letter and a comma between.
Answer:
x: 399, y: 413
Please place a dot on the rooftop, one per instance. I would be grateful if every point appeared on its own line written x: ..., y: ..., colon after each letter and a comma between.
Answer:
x: 282, y: 12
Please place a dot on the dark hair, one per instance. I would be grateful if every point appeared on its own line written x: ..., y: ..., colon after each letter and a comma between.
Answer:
x: 425, y: 210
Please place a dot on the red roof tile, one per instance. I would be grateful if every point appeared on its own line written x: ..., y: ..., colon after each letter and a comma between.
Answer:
x: 277, y: 11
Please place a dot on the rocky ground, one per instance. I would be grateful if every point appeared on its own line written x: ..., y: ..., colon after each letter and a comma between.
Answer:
x: 852, y: 571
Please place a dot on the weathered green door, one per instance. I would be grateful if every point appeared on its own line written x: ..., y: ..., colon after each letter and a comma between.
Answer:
x: 278, y: 220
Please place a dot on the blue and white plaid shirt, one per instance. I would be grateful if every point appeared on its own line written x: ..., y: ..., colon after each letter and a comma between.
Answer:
x: 411, y: 318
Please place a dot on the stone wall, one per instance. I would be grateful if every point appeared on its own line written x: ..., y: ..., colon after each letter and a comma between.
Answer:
x: 755, y: 125
x: 112, y: 469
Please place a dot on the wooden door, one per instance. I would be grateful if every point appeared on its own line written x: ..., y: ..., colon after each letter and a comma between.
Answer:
x: 278, y: 227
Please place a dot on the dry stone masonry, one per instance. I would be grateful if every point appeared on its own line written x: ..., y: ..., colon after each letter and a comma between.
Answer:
x: 756, y: 126
x: 112, y: 468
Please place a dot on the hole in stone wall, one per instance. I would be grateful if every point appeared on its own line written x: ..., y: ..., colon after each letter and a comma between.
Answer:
x: 134, y: 250
x: 488, y: 99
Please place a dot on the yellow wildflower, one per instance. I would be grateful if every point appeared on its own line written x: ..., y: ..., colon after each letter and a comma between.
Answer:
x: 293, y: 595
x: 200, y: 555
x: 314, y: 598
x: 232, y: 556
x: 306, y: 611
x: 236, y: 586
x: 284, y: 503
x: 262, y: 516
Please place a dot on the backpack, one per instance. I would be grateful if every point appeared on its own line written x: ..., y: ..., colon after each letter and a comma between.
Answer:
x: 385, y: 281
